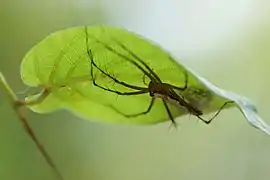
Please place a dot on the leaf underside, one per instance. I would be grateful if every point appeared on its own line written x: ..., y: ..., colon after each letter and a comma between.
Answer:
x: 61, y: 64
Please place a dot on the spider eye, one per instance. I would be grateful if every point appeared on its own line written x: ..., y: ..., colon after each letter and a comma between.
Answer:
x: 152, y: 94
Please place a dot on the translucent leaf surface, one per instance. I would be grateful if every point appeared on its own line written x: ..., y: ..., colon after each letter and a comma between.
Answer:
x: 60, y: 64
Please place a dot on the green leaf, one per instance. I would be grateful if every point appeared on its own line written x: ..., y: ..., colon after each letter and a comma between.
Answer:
x: 60, y: 65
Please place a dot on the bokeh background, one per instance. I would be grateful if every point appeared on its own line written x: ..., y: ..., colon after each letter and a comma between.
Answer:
x: 225, y: 41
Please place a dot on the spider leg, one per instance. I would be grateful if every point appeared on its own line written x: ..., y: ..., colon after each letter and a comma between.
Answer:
x: 137, y: 114
x: 137, y: 57
x: 216, y: 114
x: 113, y: 78
x: 141, y: 91
x: 90, y: 55
x: 169, y: 113
x: 118, y: 92
x: 124, y: 57
x: 180, y: 88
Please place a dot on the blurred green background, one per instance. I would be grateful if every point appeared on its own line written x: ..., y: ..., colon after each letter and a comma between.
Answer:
x: 226, y: 41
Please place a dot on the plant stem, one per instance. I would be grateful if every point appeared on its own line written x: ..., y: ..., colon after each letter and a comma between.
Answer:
x: 17, y: 106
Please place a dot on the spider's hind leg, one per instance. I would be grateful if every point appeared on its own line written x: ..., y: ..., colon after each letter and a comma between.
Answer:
x: 216, y: 114
x: 169, y: 113
x: 178, y: 87
x: 137, y: 114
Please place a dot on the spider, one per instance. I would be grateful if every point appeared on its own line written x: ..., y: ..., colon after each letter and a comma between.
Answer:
x: 156, y: 87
